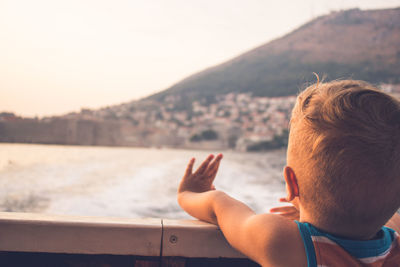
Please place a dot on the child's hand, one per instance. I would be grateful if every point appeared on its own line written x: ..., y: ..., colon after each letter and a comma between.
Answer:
x: 290, y: 212
x: 202, y: 179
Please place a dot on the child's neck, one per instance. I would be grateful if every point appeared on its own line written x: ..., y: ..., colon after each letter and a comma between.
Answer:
x: 358, y: 232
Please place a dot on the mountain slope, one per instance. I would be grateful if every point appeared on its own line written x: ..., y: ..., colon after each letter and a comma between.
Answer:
x: 354, y: 43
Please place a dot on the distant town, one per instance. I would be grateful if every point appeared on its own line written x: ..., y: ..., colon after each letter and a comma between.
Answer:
x: 232, y: 121
x: 235, y: 121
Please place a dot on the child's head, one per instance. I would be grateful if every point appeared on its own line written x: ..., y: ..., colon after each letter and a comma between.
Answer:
x: 344, y: 148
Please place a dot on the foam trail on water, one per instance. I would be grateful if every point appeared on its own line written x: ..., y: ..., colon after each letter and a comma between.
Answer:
x: 127, y: 182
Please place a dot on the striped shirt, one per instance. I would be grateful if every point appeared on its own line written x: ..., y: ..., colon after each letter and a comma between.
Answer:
x: 326, y: 250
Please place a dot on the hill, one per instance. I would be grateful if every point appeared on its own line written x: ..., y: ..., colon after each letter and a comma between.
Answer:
x: 354, y: 43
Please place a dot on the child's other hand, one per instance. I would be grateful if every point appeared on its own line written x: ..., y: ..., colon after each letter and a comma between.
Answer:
x: 202, y: 179
x: 290, y: 212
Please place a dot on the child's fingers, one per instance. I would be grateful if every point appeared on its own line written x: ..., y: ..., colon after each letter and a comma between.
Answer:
x: 213, y: 167
x: 189, y: 168
x: 283, y: 199
x: 204, y: 165
x: 283, y: 209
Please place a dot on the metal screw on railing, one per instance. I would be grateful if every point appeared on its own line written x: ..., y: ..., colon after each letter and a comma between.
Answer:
x: 173, y: 239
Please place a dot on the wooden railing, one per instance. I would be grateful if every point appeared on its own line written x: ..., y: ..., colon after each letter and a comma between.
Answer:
x: 28, y: 239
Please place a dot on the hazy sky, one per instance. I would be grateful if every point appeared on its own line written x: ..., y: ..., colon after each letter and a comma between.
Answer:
x: 57, y: 56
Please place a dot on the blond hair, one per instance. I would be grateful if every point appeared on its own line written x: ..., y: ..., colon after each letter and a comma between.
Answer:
x: 345, y: 136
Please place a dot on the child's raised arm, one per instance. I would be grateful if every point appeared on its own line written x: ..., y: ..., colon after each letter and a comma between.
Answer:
x: 262, y: 238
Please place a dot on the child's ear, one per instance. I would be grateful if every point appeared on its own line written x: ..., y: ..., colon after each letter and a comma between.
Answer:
x: 292, y: 188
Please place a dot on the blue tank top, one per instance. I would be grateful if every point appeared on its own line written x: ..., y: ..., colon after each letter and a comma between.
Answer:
x: 323, y: 249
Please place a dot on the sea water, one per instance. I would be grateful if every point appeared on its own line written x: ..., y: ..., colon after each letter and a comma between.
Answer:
x: 126, y: 182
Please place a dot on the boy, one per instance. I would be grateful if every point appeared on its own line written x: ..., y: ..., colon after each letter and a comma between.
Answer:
x: 342, y: 177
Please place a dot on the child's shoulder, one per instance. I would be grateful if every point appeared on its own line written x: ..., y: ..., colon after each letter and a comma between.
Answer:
x: 279, y: 241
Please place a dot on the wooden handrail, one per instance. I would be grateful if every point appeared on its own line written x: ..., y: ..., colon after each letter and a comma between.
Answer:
x: 29, y: 232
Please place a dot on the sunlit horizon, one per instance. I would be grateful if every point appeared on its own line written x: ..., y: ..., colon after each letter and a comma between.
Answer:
x: 60, y: 56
